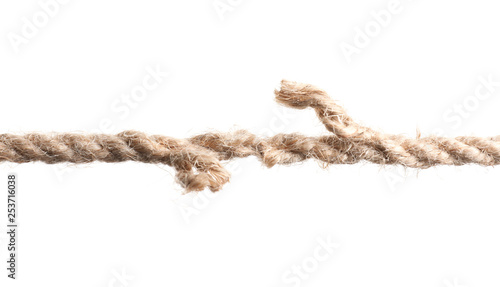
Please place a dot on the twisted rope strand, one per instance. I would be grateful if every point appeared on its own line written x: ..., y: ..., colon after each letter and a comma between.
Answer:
x: 198, y: 160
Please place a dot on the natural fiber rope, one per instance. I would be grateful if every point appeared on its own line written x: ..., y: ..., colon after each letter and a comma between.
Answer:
x: 197, y: 160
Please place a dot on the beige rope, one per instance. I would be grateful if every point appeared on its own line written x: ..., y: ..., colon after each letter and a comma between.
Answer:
x: 197, y: 160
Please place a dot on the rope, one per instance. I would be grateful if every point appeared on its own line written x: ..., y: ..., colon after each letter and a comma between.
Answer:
x: 198, y: 160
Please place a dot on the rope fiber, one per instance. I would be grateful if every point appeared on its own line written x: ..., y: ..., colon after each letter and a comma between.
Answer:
x: 198, y: 160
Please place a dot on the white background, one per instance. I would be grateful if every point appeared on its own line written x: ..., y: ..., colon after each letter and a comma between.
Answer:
x: 86, y: 225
